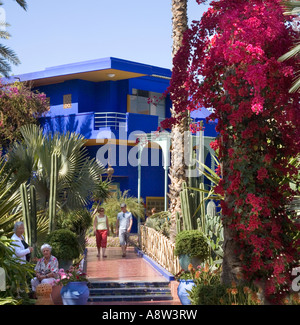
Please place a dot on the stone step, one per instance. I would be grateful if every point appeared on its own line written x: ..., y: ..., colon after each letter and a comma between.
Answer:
x: 129, y: 298
x: 129, y: 291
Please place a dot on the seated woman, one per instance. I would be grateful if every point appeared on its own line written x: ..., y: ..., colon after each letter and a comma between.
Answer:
x: 46, y: 268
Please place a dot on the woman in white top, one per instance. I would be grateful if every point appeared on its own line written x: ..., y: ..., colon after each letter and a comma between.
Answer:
x: 19, y: 249
x: 101, y: 230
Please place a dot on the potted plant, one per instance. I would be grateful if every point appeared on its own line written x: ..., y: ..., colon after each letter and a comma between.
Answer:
x: 191, y: 247
x: 75, y: 289
x: 65, y: 246
x: 186, y: 283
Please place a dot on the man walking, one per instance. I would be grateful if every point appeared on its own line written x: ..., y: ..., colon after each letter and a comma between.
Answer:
x: 124, y: 224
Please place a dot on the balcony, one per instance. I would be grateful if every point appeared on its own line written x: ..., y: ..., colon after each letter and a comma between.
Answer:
x: 90, y: 123
x: 111, y: 120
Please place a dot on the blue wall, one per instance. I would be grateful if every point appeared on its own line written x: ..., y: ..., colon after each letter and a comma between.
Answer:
x: 111, y: 96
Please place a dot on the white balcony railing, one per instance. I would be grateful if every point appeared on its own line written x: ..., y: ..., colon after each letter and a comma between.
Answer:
x: 110, y: 119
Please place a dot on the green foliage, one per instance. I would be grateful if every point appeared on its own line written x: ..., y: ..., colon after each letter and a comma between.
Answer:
x: 192, y: 243
x: 78, y: 221
x: 64, y: 244
x: 17, y: 274
x: 9, y: 197
x: 160, y: 222
x: 214, y: 233
x: 19, y: 106
x: 219, y: 294
x: 112, y: 206
x: 101, y: 191
x: 78, y: 174
x: 53, y: 191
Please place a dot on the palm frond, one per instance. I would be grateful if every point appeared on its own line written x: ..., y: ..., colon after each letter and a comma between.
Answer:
x: 9, y: 55
x: 293, y: 52
x: 295, y: 86
x: 22, y: 3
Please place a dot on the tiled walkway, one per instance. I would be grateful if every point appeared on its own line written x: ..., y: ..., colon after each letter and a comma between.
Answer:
x: 117, y: 268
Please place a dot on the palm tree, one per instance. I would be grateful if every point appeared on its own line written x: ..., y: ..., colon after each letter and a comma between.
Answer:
x: 112, y: 206
x: 177, y: 168
x: 8, y: 56
x: 293, y: 8
x: 78, y: 174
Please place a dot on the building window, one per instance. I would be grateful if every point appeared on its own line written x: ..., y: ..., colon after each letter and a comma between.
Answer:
x: 154, y: 204
x: 147, y: 102
x: 67, y: 101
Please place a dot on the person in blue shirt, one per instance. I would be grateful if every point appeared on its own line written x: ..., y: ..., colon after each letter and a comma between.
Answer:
x: 123, y: 226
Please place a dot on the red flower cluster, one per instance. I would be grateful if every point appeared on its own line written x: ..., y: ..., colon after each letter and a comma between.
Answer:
x: 229, y: 62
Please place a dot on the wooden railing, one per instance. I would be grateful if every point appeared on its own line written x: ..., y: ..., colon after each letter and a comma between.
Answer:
x: 160, y: 249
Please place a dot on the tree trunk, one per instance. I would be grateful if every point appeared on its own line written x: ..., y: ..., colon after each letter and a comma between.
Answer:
x: 177, y: 168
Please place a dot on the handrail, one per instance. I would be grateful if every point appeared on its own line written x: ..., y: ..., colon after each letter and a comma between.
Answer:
x: 109, y: 119
x: 160, y: 249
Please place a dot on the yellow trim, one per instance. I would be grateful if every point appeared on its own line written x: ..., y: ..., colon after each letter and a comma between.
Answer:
x: 129, y: 143
x: 128, y: 103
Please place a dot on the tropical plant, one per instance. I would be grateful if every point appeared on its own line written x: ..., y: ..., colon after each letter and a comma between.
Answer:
x: 248, y: 90
x: 64, y: 244
x: 19, y: 105
x: 177, y: 169
x: 293, y: 8
x: 78, y: 174
x: 192, y: 243
x: 29, y: 216
x: 7, y: 55
x: 78, y: 221
x: 160, y: 222
x: 16, y: 273
x: 9, y: 198
x: 112, y: 206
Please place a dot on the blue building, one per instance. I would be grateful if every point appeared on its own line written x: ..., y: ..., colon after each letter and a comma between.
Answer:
x: 107, y: 101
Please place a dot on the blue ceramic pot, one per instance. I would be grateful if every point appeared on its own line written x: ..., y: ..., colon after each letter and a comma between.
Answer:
x: 75, y: 293
x: 184, y: 286
x: 185, y: 260
x: 182, y: 293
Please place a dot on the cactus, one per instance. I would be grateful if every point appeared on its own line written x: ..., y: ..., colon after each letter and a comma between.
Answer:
x: 178, y: 223
x: 29, y: 215
x: 185, y: 207
x: 53, y: 192
x: 26, y: 212
x: 33, y: 218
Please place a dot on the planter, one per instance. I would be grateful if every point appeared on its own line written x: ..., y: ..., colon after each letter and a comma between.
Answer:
x: 55, y: 295
x: 75, y: 293
x: 184, y: 286
x: 185, y: 260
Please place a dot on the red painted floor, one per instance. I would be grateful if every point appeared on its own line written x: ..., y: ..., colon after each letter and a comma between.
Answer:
x: 130, y: 268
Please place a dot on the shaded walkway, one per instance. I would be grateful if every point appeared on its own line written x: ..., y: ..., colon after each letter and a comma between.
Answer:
x: 115, y: 268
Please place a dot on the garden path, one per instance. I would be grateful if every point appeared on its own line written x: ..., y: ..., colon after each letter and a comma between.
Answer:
x: 117, y: 268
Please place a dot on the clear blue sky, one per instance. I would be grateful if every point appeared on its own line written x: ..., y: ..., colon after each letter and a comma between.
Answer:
x: 56, y: 32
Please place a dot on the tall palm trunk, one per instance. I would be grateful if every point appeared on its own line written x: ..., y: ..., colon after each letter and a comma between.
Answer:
x: 177, y: 168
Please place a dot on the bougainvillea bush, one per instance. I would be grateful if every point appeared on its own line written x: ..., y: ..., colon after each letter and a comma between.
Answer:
x: 19, y: 105
x: 229, y: 63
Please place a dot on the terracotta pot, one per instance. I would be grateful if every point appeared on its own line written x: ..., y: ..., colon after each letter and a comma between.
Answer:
x: 55, y: 295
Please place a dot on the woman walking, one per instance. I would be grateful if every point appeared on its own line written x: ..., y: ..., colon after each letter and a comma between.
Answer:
x: 101, y: 230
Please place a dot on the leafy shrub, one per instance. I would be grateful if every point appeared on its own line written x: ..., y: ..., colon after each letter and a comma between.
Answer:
x: 64, y: 244
x: 192, y: 243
